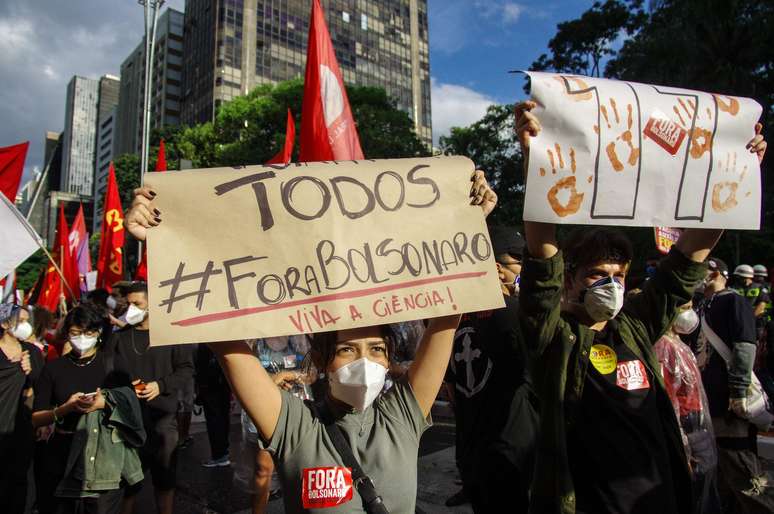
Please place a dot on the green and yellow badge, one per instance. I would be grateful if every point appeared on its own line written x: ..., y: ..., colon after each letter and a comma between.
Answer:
x: 603, y: 358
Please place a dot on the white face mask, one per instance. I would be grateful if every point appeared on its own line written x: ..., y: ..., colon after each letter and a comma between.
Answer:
x: 83, y: 343
x: 686, y: 322
x: 111, y: 303
x: 134, y: 314
x: 22, y: 331
x: 358, y: 383
x: 604, y: 299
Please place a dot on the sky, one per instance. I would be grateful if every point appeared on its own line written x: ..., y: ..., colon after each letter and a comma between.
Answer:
x: 43, y: 43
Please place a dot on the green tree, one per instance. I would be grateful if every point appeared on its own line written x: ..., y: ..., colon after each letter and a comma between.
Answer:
x: 491, y: 143
x: 127, y: 168
x: 723, y: 46
x: 28, y: 272
x: 251, y: 129
x: 579, y: 46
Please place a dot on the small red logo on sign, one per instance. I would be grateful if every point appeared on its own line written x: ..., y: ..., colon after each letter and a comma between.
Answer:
x: 666, y: 133
x: 632, y: 376
x: 326, y: 487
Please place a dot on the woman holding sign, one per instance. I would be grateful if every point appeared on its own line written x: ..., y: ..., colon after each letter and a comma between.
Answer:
x: 356, y: 449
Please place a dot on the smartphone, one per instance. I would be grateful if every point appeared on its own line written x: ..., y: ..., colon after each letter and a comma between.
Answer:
x: 89, y: 396
x: 139, y: 386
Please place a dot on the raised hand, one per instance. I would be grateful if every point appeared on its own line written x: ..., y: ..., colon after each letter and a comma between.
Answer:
x: 142, y: 214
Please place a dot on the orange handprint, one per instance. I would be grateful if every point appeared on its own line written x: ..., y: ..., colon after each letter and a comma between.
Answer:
x: 701, y: 139
x: 724, y: 192
x: 625, y: 136
x: 581, y: 85
x: 563, y: 197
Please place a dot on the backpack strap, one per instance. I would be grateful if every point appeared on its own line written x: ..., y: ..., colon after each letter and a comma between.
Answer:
x: 372, y: 502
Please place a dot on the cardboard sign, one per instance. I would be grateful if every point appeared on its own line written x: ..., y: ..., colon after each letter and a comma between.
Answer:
x: 666, y: 238
x: 280, y: 250
x: 623, y: 153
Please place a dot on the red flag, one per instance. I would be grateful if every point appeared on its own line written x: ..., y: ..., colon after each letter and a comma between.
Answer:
x: 79, y: 247
x: 328, y: 131
x: 285, y: 155
x: 51, y: 289
x: 161, y: 159
x: 11, y: 168
x: 141, y: 273
x: 110, y: 264
x: 65, y: 258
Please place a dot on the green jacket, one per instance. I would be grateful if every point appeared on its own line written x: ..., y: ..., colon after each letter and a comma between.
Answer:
x: 560, y: 347
x: 104, y: 447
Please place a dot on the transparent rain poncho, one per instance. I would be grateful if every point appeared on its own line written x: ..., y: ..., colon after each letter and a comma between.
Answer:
x: 682, y: 378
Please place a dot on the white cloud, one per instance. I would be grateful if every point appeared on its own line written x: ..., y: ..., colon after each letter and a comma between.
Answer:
x: 44, y: 43
x: 512, y: 12
x: 455, y: 106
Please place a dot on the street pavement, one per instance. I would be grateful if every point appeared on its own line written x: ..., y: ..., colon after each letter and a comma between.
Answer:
x: 215, y: 491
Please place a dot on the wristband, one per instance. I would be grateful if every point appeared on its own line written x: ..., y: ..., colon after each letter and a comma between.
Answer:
x: 57, y: 419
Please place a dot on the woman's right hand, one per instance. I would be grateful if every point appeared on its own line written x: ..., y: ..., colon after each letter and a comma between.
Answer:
x: 142, y: 215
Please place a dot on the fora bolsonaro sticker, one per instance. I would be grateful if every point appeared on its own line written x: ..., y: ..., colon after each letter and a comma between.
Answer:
x: 326, y: 487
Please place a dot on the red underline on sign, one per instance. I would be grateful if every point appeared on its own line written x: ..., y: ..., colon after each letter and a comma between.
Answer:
x: 220, y: 316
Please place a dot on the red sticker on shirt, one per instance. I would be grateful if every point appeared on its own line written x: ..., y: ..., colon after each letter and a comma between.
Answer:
x: 326, y: 487
x: 632, y: 376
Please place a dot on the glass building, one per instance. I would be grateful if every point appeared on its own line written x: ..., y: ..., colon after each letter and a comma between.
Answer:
x: 232, y: 46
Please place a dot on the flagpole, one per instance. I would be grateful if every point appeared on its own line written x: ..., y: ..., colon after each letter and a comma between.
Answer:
x: 37, y: 239
x: 56, y: 266
x: 150, y: 47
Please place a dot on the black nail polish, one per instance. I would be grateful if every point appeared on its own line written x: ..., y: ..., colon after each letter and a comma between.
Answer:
x: 153, y: 193
x: 156, y: 212
x: 157, y: 219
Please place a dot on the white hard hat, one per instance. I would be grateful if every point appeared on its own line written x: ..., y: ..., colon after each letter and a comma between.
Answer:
x: 759, y: 270
x: 744, y: 271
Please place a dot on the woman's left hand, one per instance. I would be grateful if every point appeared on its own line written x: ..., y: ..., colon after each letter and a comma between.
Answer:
x: 757, y: 144
x: 25, y: 363
x: 481, y: 193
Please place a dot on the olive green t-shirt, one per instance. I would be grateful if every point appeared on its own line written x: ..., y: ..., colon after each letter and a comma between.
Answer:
x: 384, y: 440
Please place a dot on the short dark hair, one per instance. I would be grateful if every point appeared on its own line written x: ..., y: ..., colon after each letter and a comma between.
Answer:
x: 137, y: 287
x: 87, y: 316
x: 99, y: 297
x: 41, y: 321
x: 323, y: 346
x: 586, y: 246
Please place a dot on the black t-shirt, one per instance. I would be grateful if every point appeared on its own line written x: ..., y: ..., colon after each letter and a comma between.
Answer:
x: 619, y: 458
x: 732, y: 318
x: 170, y: 366
x: 67, y: 375
x: 494, y: 404
x: 13, y: 414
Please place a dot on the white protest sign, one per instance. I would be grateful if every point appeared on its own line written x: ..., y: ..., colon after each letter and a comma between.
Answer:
x: 263, y: 251
x: 623, y: 153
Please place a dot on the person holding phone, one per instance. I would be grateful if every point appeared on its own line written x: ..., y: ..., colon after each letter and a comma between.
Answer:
x: 68, y: 389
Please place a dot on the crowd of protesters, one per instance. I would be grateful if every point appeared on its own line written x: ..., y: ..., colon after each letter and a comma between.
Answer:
x: 578, y: 396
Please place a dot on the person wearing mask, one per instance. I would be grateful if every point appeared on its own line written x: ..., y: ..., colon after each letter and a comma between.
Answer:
x: 69, y: 390
x: 729, y: 327
x: 214, y: 395
x: 41, y: 319
x: 682, y: 379
x: 609, y: 441
x: 744, y: 284
x: 20, y: 365
x: 157, y: 373
x: 495, y: 407
x: 282, y: 358
x: 375, y: 433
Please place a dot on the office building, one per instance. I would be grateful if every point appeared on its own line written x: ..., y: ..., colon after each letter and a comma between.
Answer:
x: 232, y: 46
x: 106, y: 131
x: 86, y: 100
x: 80, y: 133
x: 167, y: 84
